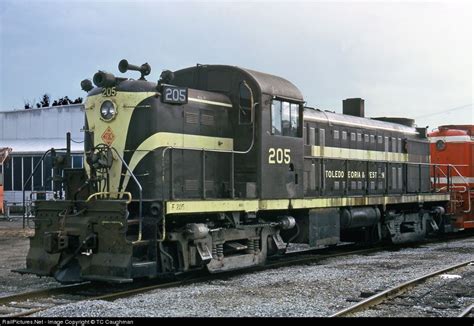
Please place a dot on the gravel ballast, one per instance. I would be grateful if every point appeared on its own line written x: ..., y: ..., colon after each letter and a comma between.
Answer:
x: 317, y: 289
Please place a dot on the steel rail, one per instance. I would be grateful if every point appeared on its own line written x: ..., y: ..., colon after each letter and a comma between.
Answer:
x: 11, y: 300
x: 42, y: 293
x: 108, y: 296
x: 466, y: 311
x: 393, y: 292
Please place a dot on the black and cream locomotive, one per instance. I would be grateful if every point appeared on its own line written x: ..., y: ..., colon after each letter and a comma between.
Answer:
x: 220, y: 167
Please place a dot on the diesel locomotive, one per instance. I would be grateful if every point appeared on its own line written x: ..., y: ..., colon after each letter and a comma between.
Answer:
x: 219, y: 167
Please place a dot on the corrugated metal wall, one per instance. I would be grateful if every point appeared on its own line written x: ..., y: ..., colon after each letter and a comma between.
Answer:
x: 30, y: 133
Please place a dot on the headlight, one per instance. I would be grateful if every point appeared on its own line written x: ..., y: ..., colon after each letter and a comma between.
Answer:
x: 440, y: 145
x: 108, y: 111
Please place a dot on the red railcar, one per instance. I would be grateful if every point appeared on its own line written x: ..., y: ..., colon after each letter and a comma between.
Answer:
x: 452, y: 152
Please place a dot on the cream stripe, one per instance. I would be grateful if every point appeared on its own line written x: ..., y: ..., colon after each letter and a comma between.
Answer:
x: 357, y: 154
x: 359, y: 125
x: 451, y: 139
x: 254, y: 205
x: 176, y: 140
x: 456, y: 180
x: 126, y: 103
x: 192, y: 99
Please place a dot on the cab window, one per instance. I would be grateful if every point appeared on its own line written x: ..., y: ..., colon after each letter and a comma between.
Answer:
x: 294, y: 117
x: 245, y: 104
x: 285, y: 118
x: 276, y: 118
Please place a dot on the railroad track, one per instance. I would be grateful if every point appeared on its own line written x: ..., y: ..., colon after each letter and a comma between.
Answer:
x: 32, y: 301
x: 28, y: 303
x: 466, y: 312
x: 397, y: 291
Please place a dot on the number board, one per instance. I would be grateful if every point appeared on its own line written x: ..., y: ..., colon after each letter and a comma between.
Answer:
x: 174, y: 94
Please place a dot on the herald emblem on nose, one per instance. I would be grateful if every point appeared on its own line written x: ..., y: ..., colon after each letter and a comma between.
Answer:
x: 108, y: 136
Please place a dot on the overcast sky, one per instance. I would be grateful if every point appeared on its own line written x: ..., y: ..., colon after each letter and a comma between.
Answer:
x: 411, y: 59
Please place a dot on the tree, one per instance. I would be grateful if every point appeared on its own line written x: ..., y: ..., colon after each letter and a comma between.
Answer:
x: 45, y: 101
x: 29, y: 104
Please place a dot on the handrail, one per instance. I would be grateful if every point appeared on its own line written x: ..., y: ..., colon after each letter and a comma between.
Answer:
x: 163, y: 215
x: 30, y: 202
x: 467, y: 187
x: 111, y: 193
x: 140, y: 190
x: 454, y: 186
x: 436, y: 167
x: 31, y: 176
x: 450, y: 186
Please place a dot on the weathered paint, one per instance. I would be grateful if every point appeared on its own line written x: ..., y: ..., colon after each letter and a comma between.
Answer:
x: 357, y: 154
x: 254, y: 205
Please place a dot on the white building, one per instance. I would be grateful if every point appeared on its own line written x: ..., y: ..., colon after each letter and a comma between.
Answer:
x: 30, y: 133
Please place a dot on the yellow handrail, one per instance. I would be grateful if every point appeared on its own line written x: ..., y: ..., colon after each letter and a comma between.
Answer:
x: 126, y: 193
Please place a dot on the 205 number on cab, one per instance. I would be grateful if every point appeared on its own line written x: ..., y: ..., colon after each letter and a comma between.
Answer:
x: 279, y: 155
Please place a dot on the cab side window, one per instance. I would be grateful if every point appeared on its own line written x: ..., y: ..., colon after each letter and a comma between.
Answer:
x: 295, y: 118
x: 285, y: 118
x: 276, y: 117
x: 245, y: 103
